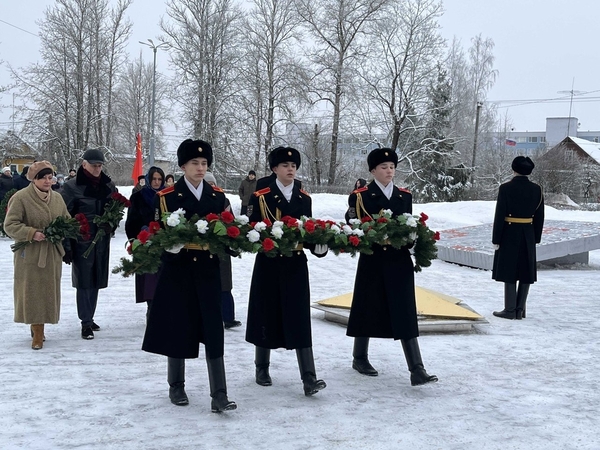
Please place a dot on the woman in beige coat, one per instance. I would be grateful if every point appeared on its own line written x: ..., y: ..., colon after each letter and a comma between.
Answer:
x: 38, y: 266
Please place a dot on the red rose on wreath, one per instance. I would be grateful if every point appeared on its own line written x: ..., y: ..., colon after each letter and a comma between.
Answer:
x: 268, y: 222
x: 436, y: 236
x: 268, y: 245
x: 233, y: 232
x: 212, y: 216
x: 309, y: 226
x: 382, y: 220
x: 365, y: 219
x: 227, y: 217
x: 354, y: 240
x: 143, y: 236
x: 424, y: 218
x: 153, y: 227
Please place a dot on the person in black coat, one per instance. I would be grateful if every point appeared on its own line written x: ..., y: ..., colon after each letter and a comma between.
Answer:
x: 186, y: 308
x: 383, y: 303
x: 6, y: 182
x: 139, y: 215
x: 21, y: 181
x: 266, y: 181
x: 88, y: 193
x: 279, y: 302
x: 518, y: 224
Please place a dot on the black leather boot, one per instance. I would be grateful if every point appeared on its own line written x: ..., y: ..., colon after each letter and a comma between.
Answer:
x: 521, y: 300
x: 306, y: 364
x: 510, y: 302
x: 360, y: 357
x: 418, y: 375
x: 262, y: 360
x: 218, y: 386
x: 176, y: 379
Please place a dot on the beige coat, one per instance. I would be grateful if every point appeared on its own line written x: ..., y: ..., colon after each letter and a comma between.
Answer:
x: 38, y: 267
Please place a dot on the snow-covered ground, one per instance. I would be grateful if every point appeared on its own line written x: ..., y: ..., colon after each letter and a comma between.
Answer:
x: 529, y: 384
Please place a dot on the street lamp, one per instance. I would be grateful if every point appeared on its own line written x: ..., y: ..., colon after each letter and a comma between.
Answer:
x: 154, y: 48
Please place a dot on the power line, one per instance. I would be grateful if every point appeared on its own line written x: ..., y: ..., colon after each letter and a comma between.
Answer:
x: 18, y: 28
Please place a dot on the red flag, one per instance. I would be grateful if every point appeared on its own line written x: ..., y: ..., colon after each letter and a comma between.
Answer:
x: 138, y: 167
x: 511, y: 142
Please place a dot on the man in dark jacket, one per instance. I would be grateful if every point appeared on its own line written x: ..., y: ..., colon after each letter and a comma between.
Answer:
x: 186, y: 308
x: 246, y: 189
x: 88, y: 193
x: 518, y: 224
x: 21, y: 181
x: 6, y: 182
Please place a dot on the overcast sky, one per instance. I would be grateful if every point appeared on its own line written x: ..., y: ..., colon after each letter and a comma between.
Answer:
x: 542, y: 47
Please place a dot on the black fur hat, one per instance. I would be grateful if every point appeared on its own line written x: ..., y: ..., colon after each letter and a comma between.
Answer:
x: 284, y: 154
x: 190, y: 149
x: 523, y: 165
x: 381, y: 155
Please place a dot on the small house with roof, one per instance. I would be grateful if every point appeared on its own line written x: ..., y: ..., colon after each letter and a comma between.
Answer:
x: 15, y: 152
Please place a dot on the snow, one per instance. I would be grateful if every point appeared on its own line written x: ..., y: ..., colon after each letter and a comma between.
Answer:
x: 529, y: 384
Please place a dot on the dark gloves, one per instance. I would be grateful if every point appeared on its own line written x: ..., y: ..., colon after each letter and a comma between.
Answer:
x: 68, y: 257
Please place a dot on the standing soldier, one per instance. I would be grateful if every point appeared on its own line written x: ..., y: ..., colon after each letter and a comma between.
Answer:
x: 383, y: 304
x: 246, y: 189
x: 279, y: 304
x: 518, y: 224
x: 88, y: 193
x: 186, y: 308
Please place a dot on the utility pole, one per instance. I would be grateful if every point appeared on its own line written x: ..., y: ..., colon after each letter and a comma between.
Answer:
x: 479, y: 105
x: 152, y: 137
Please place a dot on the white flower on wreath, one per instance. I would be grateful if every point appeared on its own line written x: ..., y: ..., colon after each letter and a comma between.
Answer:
x: 412, y: 236
x: 355, y: 221
x: 277, y: 232
x: 347, y: 229
x: 387, y: 213
x: 202, y: 226
x: 278, y: 224
x: 180, y: 212
x: 174, y: 219
x: 253, y: 236
x: 260, y: 226
x: 358, y: 232
x: 410, y: 220
x: 242, y: 220
x: 336, y: 229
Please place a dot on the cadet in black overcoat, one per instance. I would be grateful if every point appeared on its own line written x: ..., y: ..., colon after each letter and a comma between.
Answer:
x: 186, y: 308
x: 279, y: 303
x: 518, y: 224
x: 383, y: 303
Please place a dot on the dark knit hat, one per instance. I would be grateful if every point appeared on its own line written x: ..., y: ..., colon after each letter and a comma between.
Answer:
x: 252, y: 172
x: 381, y: 155
x: 284, y: 154
x: 94, y: 156
x: 523, y: 165
x: 190, y: 149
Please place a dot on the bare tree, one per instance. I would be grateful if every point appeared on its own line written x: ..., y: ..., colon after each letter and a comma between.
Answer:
x: 337, y: 26
x: 271, y: 69
x: 204, y: 36
x: 71, y: 90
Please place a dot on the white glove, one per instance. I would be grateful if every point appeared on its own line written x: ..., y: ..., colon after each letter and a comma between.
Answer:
x: 320, y: 249
x: 175, y: 249
x: 496, y: 246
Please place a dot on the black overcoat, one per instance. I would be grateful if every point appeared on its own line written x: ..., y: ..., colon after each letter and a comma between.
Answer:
x: 516, y: 258
x: 383, y: 303
x: 81, y: 196
x: 186, y: 309
x: 279, y: 303
x: 139, y: 215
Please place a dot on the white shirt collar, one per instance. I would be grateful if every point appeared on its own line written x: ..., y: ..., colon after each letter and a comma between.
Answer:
x: 387, y: 190
x: 196, y: 191
x: 285, y: 190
